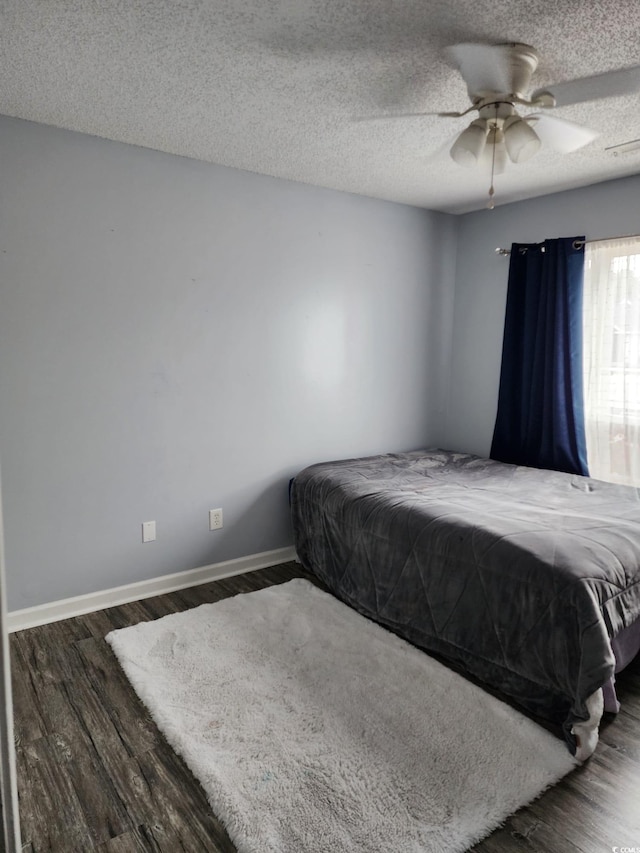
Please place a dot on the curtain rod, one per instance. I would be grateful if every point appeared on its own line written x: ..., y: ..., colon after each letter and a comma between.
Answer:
x: 577, y: 244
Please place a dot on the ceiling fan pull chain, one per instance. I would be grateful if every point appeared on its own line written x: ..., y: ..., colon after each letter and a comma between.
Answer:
x: 490, y: 203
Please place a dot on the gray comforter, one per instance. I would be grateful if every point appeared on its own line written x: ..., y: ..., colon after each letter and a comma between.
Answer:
x: 520, y: 576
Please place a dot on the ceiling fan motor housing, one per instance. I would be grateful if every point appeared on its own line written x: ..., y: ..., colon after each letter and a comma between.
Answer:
x: 519, y: 61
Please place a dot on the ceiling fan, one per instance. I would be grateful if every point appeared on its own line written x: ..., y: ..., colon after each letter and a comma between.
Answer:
x: 498, y: 78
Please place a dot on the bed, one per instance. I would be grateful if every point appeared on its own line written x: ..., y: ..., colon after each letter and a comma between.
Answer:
x: 524, y: 578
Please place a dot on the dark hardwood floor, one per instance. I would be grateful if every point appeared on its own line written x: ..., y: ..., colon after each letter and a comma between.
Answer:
x: 95, y: 774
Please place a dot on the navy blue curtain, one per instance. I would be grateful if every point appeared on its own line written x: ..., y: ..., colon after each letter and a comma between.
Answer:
x: 540, y: 421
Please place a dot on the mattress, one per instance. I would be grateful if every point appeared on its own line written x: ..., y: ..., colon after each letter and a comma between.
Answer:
x: 520, y: 576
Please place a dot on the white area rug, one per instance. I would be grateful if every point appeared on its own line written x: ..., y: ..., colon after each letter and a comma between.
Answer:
x: 313, y: 730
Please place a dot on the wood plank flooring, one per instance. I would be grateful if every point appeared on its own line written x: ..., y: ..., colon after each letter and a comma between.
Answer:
x: 95, y: 774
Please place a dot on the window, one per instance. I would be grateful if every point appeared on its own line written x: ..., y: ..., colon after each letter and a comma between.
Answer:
x: 612, y: 359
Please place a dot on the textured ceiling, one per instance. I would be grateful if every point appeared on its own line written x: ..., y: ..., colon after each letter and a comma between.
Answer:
x: 281, y: 87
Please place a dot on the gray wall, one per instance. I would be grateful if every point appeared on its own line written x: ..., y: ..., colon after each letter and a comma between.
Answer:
x: 176, y: 336
x: 603, y: 210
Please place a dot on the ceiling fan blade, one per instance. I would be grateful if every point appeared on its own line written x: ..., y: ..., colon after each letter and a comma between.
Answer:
x: 559, y: 133
x: 611, y: 84
x: 408, y: 115
x: 483, y: 66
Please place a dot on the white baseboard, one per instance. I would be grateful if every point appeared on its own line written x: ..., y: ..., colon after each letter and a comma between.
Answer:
x: 66, y: 608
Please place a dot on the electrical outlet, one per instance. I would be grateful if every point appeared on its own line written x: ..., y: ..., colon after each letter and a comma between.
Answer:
x: 148, y: 531
x: 215, y: 519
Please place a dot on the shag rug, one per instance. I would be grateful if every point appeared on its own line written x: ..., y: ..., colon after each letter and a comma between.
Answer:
x: 313, y: 730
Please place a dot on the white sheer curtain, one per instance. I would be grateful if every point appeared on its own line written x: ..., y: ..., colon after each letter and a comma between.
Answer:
x: 612, y: 359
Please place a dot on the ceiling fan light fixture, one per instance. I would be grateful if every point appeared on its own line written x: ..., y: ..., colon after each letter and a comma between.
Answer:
x: 468, y: 147
x: 521, y: 141
x: 494, y: 157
